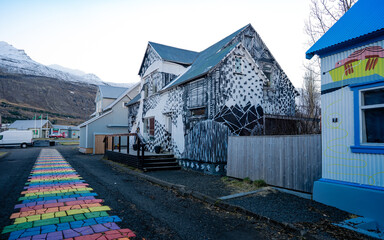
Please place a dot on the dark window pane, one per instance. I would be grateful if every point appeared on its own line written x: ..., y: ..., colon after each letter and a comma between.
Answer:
x: 374, y: 125
x: 198, y: 112
x: 374, y: 97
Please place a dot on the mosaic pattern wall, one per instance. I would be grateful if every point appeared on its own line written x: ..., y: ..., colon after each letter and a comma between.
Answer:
x: 149, y: 58
x: 206, y: 147
x: 162, y: 138
x: 207, y: 142
x: 242, y: 121
x: 279, y: 92
x: 58, y: 204
x: 133, y: 110
x: 174, y: 104
x: 150, y: 103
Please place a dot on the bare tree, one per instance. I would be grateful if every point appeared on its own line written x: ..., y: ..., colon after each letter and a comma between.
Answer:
x: 323, y: 14
x: 309, y: 102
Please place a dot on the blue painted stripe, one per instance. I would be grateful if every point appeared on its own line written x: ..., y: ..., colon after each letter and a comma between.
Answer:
x: 352, y: 184
x: 333, y: 86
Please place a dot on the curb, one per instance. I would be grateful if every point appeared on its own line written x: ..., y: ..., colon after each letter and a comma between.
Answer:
x: 182, y: 190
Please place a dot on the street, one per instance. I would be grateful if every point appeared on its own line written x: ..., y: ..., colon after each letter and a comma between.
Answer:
x: 150, y: 211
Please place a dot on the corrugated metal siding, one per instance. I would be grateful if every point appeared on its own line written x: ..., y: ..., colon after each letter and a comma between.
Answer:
x: 328, y: 63
x: 338, y: 161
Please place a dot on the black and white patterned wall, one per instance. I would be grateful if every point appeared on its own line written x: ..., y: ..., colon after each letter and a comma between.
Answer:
x: 150, y: 57
x: 206, y: 147
x: 174, y: 104
x: 279, y: 93
x: 150, y: 103
x: 133, y: 111
x: 161, y: 138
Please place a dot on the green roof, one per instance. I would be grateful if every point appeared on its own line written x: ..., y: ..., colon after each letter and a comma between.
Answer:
x: 207, y: 59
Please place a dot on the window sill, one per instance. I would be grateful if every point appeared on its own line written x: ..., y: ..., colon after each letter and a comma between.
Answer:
x: 368, y: 149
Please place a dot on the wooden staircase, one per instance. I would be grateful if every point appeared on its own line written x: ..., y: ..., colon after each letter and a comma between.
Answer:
x: 160, y: 162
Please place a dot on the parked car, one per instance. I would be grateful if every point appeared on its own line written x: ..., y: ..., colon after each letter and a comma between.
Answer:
x: 16, y: 138
x: 57, y: 135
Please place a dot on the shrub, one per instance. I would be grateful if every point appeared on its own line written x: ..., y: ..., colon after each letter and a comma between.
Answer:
x: 259, y: 183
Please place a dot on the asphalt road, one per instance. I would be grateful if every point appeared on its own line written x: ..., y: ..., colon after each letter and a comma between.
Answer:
x: 150, y: 211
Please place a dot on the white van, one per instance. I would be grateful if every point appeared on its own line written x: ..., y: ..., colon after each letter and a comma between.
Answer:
x: 20, y: 138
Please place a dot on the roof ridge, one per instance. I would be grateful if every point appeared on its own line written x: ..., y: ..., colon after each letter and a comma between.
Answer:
x: 150, y: 42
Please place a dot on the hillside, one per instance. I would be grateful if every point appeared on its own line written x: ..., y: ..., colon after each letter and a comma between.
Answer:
x: 28, y: 88
x: 23, y: 96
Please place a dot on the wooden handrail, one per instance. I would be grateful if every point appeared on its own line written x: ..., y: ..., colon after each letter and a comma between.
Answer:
x: 140, y: 144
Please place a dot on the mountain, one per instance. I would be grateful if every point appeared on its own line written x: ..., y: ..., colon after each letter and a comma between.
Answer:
x: 16, y: 61
x: 89, y: 76
x: 28, y: 88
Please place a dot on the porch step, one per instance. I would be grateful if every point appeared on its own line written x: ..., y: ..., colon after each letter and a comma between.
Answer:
x: 161, y: 168
x: 160, y: 164
x: 155, y: 160
x: 158, y: 156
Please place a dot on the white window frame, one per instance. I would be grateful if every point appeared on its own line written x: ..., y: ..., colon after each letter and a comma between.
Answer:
x: 362, y: 107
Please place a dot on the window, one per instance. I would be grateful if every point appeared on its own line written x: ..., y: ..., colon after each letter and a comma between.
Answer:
x: 238, y: 65
x: 169, y: 124
x: 197, y: 94
x: 198, y: 112
x: 372, y: 115
x: 1, y: 137
x: 154, y: 87
x: 145, y: 90
x: 368, y: 117
x: 149, y: 126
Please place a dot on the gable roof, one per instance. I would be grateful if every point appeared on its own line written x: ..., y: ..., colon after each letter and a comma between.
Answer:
x: 134, y: 100
x: 118, y: 99
x: 172, y: 54
x: 207, y: 59
x: 111, y: 92
x: 28, y: 124
x: 93, y: 119
x: 363, y: 21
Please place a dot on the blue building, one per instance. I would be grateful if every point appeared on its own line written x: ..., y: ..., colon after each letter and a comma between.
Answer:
x: 352, y: 101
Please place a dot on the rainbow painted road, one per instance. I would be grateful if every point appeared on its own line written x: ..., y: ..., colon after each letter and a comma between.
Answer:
x: 58, y: 204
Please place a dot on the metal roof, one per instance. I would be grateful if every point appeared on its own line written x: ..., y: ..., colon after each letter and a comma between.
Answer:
x: 173, y: 54
x: 134, y: 100
x: 363, y: 21
x: 27, y: 124
x: 111, y: 92
x: 207, y: 59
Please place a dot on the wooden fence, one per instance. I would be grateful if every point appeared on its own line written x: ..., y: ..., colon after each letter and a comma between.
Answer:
x: 292, y: 161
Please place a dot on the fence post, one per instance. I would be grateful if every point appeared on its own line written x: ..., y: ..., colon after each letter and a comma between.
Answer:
x: 127, y: 144
x: 105, y: 144
x: 138, y: 153
x: 119, y: 143
x: 113, y: 143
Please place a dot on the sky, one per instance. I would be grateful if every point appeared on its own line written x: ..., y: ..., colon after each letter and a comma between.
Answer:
x: 109, y: 37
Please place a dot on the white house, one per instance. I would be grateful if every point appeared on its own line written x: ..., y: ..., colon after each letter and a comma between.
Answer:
x: 352, y: 101
x: 191, y: 101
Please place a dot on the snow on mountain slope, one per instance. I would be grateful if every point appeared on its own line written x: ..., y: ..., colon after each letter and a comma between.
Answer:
x: 16, y: 61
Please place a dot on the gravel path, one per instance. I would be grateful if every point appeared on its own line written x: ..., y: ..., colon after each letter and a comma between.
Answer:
x: 207, y: 184
x: 284, y: 207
